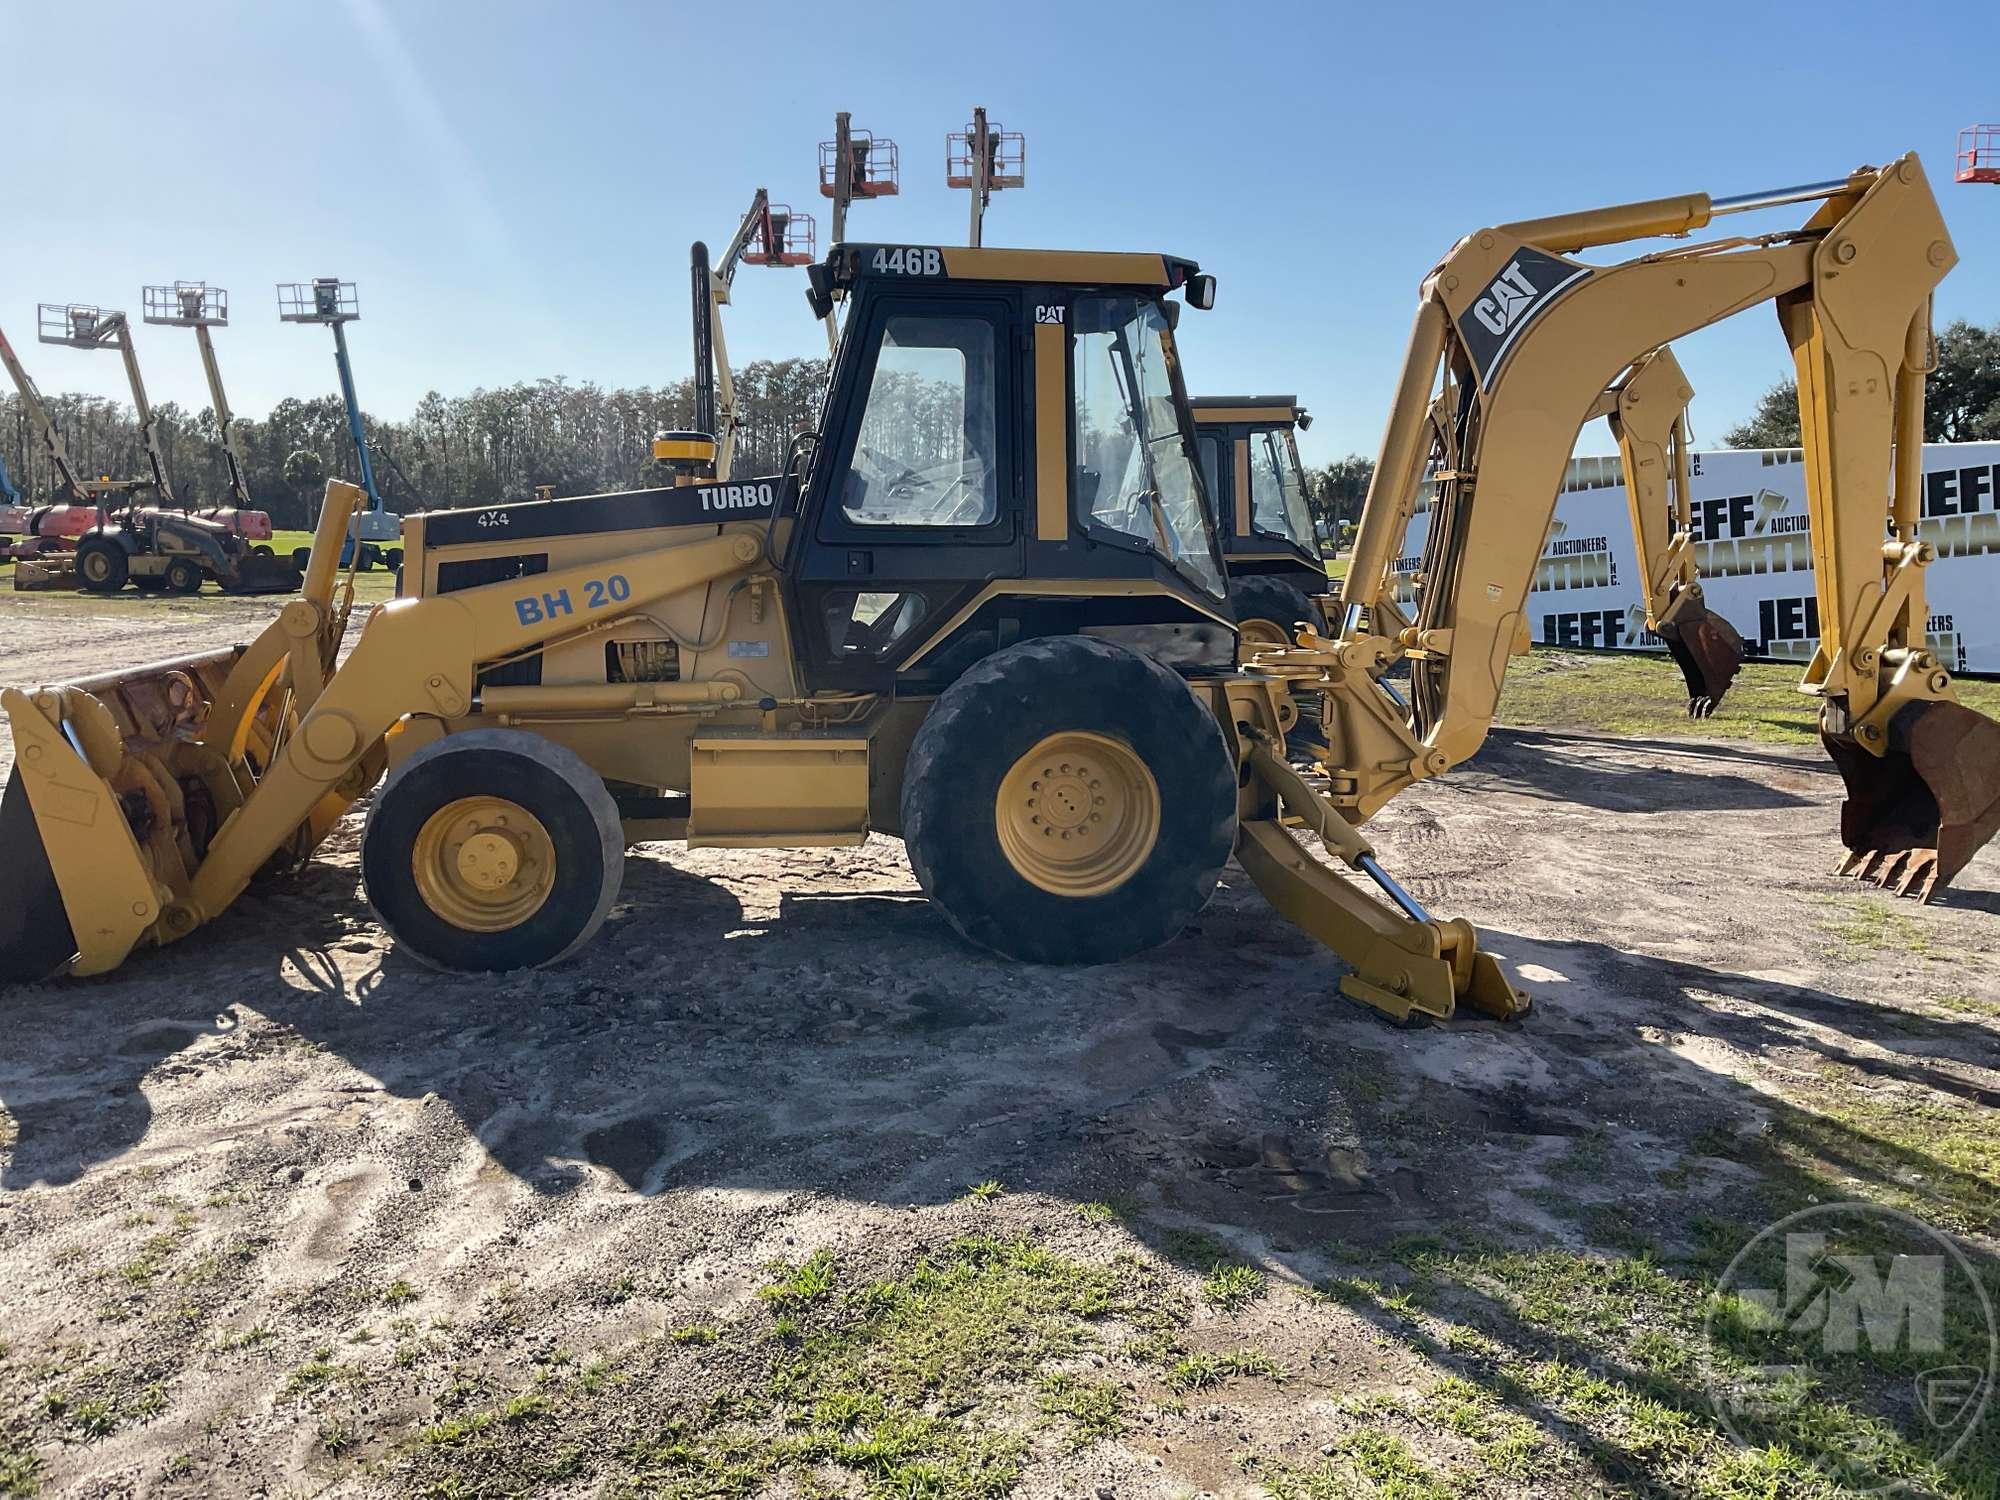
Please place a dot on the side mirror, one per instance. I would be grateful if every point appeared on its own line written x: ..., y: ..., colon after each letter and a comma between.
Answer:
x: 819, y: 289
x: 1200, y: 292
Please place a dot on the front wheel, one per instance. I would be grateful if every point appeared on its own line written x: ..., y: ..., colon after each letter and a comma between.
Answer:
x: 1068, y: 801
x: 182, y: 577
x: 493, y: 849
x: 101, y: 566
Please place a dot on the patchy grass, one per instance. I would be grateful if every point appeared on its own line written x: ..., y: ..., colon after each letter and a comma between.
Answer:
x: 1092, y: 1409
x: 20, y: 1471
x: 984, y: 1192
x: 1645, y: 695
x: 321, y: 1370
x: 1861, y: 925
x: 906, y: 1387
x: 797, y: 1285
x: 1573, y: 1369
x: 1200, y: 1372
x: 698, y: 1334
x: 1230, y: 1287
x: 398, y: 1293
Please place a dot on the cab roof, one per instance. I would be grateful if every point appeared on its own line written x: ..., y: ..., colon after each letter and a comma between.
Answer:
x: 1246, y: 408
x: 859, y: 262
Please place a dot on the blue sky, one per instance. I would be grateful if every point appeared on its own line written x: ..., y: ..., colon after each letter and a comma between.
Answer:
x: 514, y: 185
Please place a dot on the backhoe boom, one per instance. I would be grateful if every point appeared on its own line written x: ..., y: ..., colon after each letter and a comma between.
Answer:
x: 1516, y: 345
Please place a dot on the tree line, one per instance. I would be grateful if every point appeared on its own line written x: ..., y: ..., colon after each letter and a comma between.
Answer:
x: 581, y: 438
x: 1961, y: 398
x: 480, y: 449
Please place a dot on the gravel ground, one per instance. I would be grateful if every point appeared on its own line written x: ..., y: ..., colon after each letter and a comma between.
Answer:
x: 281, y: 1148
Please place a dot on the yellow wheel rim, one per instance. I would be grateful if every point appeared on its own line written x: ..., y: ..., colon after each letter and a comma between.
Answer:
x: 1078, y: 815
x: 1256, y: 635
x: 484, y: 864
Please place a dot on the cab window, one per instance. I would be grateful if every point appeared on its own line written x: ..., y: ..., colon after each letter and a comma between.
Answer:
x: 1134, y: 474
x: 928, y: 433
x: 1277, y: 497
x: 1210, y: 447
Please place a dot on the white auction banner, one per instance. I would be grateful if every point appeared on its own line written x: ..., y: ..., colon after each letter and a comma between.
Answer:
x: 1755, y: 554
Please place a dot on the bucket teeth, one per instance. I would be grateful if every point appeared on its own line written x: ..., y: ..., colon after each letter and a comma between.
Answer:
x: 1917, y: 813
x: 1709, y: 653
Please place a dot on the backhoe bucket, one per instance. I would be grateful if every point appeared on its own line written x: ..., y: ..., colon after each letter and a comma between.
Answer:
x: 1916, y: 815
x: 1708, y: 651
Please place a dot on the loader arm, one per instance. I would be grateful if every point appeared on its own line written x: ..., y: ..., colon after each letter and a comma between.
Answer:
x: 1514, y: 345
x: 298, y: 740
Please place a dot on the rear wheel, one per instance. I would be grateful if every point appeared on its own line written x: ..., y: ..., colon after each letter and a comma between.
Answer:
x: 182, y: 577
x: 264, y: 549
x: 1068, y: 801
x: 1268, y: 610
x: 494, y: 849
x: 101, y: 566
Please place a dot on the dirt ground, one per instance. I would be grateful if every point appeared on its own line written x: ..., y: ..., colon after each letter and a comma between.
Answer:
x: 283, y: 1213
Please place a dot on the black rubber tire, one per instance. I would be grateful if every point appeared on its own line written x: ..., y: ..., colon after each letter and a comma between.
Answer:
x: 301, y: 556
x: 264, y: 549
x: 106, y: 556
x: 999, y: 710
x: 1259, y: 596
x: 150, y: 583
x: 183, y: 576
x: 549, y: 780
x: 393, y: 559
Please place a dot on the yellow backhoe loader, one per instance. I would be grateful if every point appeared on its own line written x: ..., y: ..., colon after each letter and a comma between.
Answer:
x: 982, y: 609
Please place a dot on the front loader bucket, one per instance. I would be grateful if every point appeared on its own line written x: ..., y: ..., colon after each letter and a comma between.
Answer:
x: 1708, y: 651
x: 109, y: 805
x: 258, y: 574
x: 1915, y: 815
x: 35, y: 936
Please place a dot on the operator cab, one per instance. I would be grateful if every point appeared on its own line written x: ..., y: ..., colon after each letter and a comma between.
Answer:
x: 1250, y: 463
x: 1005, y: 452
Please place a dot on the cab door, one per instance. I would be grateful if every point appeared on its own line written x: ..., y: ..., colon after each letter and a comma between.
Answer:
x: 915, y: 498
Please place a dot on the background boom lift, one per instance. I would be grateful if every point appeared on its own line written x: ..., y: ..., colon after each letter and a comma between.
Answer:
x: 75, y: 505
x: 197, y: 305
x: 165, y: 547
x: 329, y: 300
x: 984, y: 159
x: 854, y: 164
x: 769, y: 235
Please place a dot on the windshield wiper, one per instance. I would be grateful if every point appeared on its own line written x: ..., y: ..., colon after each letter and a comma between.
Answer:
x: 1125, y: 371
